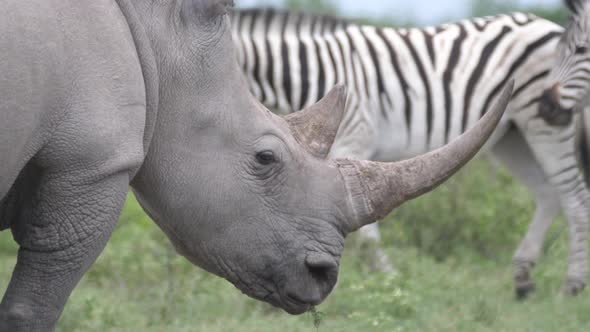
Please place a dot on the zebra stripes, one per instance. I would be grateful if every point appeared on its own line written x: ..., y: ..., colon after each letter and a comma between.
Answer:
x: 269, y: 35
x: 292, y: 59
x: 413, y: 90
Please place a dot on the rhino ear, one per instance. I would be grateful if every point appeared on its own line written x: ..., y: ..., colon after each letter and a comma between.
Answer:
x: 316, y: 126
x: 206, y: 8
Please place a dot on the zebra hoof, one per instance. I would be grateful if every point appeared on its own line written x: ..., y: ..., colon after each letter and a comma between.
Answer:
x: 523, y: 282
x: 573, y: 287
x: 523, y: 290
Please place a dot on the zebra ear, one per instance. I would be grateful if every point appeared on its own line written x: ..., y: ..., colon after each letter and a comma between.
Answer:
x: 316, y: 126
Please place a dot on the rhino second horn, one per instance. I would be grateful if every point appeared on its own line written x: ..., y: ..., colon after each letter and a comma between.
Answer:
x: 316, y: 126
x: 376, y: 188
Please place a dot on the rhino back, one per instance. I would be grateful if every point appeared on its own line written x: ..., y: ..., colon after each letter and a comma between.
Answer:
x: 71, y: 84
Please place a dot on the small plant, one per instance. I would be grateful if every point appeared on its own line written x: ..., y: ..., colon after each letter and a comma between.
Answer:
x: 317, y: 316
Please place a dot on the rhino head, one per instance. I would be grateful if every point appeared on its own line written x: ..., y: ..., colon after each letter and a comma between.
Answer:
x: 244, y: 193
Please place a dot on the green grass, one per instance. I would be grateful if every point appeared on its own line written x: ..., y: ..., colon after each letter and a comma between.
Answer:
x: 452, y: 250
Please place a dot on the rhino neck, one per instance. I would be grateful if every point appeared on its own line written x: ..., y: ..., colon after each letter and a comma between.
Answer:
x: 149, y: 68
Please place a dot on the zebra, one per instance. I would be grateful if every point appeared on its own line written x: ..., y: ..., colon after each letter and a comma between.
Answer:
x: 569, y: 80
x: 415, y: 89
x: 565, y: 104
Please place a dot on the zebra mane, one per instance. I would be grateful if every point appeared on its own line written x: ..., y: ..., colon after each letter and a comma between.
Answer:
x: 282, y: 14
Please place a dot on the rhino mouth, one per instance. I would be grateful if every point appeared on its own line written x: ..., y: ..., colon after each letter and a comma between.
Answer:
x: 274, y: 297
x: 288, y: 303
x: 295, y: 306
x: 266, y: 287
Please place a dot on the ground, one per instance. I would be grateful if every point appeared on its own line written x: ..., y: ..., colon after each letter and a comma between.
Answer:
x: 452, y: 250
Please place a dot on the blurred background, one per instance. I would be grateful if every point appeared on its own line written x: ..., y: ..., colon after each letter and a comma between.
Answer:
x: 452, y: 249
x: 416, y: 12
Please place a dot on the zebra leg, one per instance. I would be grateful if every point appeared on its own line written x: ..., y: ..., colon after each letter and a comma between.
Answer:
x: 513, y: 152
x: 371, y: 245
x: 529, y: 249
x: 577, y: 212
x: 555, y: 149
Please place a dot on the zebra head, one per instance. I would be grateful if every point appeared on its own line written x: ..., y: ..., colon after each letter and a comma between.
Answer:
x: 569, y: 81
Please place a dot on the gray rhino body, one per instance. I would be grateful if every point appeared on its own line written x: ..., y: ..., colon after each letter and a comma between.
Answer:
x: 100, y: 95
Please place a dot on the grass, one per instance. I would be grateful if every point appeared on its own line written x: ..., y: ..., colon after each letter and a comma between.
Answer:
x: 452, y: 250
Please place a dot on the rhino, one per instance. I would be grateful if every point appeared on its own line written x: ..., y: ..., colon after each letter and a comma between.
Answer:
x: 99, y: 96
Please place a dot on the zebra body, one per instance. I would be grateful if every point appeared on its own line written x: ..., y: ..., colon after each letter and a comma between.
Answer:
x: 411, y: 90
x: 414, y: 90
x: 565, y: 104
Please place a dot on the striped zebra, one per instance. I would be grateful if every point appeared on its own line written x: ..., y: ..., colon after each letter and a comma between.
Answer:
x: 568, y: 83
x: 565, y: 105
x: 413, y: 90
x: 569, y: 80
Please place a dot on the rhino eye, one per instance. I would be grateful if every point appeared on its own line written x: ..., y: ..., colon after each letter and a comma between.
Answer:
x: 265, y: 157
x: 581, y: 49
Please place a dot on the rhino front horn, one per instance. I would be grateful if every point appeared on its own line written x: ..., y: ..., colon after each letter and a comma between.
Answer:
x: 376, y: 188
x: 316, y: 126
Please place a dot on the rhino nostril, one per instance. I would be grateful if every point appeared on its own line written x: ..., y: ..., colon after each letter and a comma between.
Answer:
x: 322, y: 267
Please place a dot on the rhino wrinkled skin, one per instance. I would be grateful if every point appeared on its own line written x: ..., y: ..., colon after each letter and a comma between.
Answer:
x: 97, y: 96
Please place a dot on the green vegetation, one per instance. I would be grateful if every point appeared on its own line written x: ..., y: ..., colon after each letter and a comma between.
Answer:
x: 452, y: 250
